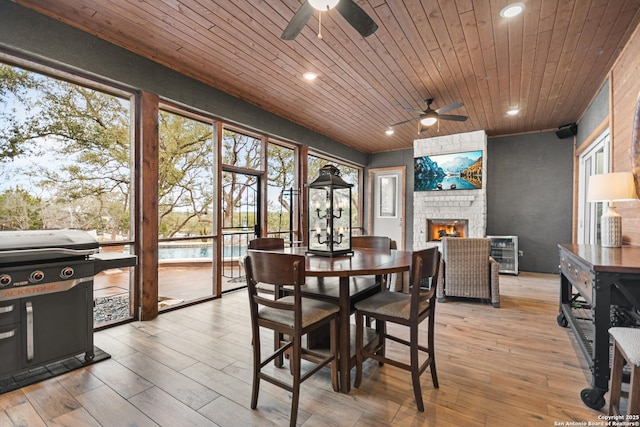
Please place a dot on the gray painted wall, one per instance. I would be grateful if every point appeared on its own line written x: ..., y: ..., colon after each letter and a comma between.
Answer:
x: 596, y: 114
x: 42, y: 39
x: 530, y: 195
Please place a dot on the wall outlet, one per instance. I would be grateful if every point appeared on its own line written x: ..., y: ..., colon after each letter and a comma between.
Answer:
x: 520, y: 253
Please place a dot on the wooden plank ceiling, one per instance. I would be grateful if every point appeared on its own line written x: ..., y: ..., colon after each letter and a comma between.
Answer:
x: 548, y: 62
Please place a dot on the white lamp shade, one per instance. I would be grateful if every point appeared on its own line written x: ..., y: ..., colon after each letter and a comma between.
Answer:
x: 323, y: 4
x: 608, y: 187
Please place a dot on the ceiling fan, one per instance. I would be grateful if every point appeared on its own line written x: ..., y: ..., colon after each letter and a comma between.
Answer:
x: 353, y: 13
x: 429, y: 117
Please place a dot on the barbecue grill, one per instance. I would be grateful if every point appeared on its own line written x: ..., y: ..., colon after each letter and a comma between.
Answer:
x: 46, y: 295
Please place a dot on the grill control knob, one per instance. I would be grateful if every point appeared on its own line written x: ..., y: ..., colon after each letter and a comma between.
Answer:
x: 36, y: 276
x: 5, y: 280
x: 66, y: 272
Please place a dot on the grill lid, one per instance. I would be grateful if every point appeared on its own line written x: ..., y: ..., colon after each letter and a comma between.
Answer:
x: 29, y: 245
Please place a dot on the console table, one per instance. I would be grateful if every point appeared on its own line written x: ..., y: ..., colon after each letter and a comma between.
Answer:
x: 592, y: 280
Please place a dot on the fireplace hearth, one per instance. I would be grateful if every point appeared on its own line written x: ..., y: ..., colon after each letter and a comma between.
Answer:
x: 439, y: 228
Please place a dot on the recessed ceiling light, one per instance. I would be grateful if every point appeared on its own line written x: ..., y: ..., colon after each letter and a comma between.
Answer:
x: 309, y: 75
x: 513, y: 112
x: 512, y: 10
x: 389, y: 131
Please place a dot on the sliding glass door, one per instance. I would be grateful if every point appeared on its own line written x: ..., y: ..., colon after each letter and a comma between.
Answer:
x: 594, y: 160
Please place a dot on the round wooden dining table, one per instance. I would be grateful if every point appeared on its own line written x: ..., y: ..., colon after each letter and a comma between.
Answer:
x: 362, y: 262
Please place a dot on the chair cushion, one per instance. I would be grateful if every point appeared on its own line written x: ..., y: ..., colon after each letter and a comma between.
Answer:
x: 312, y: 311
x: 628, y: 340
x: 395, y: 304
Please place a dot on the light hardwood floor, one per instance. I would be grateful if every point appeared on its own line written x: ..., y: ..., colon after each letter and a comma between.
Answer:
x: 512, y: 366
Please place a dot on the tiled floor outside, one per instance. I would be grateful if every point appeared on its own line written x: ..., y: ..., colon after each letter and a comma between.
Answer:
x: 178, y: 283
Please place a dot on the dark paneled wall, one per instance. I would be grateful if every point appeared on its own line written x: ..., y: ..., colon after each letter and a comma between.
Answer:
x: 530, y: 195
x: 37, y: 37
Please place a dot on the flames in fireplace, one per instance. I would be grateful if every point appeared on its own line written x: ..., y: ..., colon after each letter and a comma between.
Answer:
x: 439, y: 228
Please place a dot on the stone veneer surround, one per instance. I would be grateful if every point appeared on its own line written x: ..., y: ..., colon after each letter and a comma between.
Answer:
x: 463, y: 204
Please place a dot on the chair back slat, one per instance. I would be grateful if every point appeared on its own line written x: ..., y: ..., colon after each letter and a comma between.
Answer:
x: 276, y: 268
x: 266, y: 243
x: 424, y: 275
x: 371, y: 242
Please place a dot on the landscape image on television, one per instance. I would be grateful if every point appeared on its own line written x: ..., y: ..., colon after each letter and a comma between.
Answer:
x: 455, y: 171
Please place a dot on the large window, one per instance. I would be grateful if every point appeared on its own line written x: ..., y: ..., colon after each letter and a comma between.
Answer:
x: 283, y: 193
x: 242, y: 176
x: 185, y: 201
x: 65, y: 162
x: 594, y: 160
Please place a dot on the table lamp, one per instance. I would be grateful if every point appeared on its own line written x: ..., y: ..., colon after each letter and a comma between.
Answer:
x: 609, y: 187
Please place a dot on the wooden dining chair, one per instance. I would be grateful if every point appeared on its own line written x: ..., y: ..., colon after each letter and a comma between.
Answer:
x: 292, y: 316
x: 408, y: 310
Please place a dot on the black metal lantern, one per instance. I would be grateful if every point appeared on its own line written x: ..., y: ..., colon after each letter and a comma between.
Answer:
x: 329, y: 214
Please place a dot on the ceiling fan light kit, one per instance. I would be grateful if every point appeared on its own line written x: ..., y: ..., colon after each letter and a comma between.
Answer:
x: 429, y: 117
x: 350, y: 11
x: 323, y: 4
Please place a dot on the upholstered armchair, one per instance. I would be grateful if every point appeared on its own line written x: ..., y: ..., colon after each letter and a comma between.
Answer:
x: 467, y: 270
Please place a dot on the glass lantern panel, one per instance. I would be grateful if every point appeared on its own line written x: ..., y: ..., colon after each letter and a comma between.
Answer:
x: 341, y: 218
x: 319, y: 205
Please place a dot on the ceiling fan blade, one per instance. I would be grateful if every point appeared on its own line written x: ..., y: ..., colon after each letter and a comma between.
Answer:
x: 452, y: 117
x: 406, y: 121
x: 357, y: 17
x: 297, y: 23
x: 450, y: 107
x: 411, y: 110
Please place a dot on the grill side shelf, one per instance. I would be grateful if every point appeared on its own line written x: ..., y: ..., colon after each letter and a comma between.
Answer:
x: 108, y: 260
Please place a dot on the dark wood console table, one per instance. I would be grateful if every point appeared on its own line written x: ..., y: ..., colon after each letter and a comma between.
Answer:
x: 592, y: 280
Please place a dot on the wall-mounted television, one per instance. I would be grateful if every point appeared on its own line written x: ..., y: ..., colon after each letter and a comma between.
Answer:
x: 455, y: 171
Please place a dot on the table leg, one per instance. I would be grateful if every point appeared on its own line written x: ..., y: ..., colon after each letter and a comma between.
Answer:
x: 344, y: 341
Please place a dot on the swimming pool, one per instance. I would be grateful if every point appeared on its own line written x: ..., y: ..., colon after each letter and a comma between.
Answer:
x: 197, y: 251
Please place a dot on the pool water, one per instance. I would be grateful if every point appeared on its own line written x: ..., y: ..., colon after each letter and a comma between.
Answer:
x: 197, y: 251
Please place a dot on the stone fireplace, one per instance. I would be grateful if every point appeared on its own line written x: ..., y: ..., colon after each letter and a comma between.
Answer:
x: 465, y: 206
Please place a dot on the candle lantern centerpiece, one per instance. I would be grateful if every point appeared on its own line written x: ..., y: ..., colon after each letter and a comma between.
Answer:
x: 329, y: 214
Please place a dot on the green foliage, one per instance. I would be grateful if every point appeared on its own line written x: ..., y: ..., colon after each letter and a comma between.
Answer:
x: 80, y: 140
x: 15, y: 85
x: 185, y: 187
x: 19, y: 210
